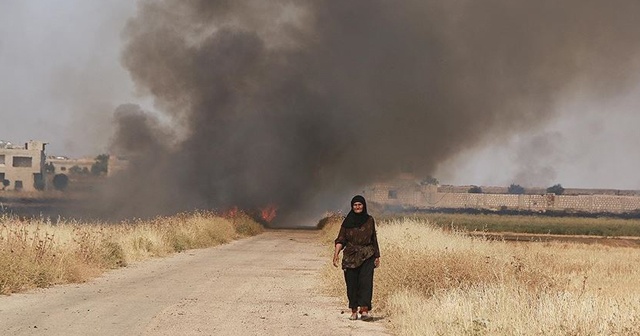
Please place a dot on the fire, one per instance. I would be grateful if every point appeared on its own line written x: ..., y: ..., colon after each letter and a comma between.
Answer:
x: 232, y: 213
x: 268, y: 213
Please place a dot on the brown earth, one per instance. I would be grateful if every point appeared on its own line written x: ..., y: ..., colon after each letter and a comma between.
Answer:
x: 264, y: 285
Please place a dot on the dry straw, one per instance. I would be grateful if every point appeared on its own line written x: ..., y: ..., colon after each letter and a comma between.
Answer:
x: 434, y: 281
x: 37, y: 253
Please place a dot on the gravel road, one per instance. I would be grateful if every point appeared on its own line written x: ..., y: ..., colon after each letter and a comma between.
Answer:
x: 263, y: 285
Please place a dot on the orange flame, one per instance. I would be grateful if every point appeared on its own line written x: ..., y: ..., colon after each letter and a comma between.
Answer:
x: 231, y: 213
x: 268, y: 213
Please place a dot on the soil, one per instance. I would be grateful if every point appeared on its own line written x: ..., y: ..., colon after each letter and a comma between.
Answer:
x: 263, y: 285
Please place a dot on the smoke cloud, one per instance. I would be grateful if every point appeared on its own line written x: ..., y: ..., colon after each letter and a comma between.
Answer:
x: 277, y: 102
x: 534, y: 158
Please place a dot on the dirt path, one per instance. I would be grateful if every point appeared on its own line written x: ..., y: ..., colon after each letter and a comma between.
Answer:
x: 264, y: 285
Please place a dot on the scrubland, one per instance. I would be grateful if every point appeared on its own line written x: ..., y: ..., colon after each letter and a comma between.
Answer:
x: 37, y: 253
x: 437, y: 281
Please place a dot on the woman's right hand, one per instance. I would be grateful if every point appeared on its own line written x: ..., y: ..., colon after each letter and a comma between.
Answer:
x: 336, y: 260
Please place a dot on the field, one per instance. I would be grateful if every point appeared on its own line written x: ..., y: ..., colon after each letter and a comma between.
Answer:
x: 554, y: 225
x: 435, y: 279
x: 37, y: 253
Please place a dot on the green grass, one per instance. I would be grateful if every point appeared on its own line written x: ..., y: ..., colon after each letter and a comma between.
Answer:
x: 606, y: 227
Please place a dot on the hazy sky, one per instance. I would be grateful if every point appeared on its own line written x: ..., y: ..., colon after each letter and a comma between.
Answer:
x: 61, y: 76
x: 61, y: 79
x: 591, y: 144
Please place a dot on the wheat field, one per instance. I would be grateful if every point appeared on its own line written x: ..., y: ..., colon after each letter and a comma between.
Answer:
x: 37, y: 253
x: 434, y: 281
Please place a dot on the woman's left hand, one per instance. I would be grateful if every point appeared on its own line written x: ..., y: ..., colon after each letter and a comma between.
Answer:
x: 336, y: 260
x: 376, y: 262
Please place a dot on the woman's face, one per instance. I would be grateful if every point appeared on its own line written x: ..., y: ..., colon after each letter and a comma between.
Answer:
x: 358, y: 207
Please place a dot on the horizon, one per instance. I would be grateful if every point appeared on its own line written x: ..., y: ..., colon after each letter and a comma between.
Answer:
x: 65, y: 91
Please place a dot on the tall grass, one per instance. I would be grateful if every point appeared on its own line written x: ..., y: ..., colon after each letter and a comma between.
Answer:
x: 434, y: 281
x: 37, y: 253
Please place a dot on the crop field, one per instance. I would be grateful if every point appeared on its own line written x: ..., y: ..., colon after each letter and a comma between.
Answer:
x: 38, y: 253
x: 436, y: 279
x: 602, y: 227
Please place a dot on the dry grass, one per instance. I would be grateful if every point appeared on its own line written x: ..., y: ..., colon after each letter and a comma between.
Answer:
x: 438, y: 282
x: 37, y: 253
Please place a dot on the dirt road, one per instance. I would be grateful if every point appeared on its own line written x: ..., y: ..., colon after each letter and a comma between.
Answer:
x: 264, y: 285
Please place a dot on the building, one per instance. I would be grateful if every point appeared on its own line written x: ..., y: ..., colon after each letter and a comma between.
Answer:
x: 22, y: 168
x: 116, y: 164
x: 65, y: 165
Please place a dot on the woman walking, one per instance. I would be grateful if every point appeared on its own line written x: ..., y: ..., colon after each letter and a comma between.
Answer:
x: 357, y: 237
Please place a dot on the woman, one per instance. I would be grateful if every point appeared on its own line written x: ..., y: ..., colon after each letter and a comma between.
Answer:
x: 361, y: 255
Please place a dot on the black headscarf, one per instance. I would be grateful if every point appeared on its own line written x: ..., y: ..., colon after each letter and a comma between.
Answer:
x: 354, y: 220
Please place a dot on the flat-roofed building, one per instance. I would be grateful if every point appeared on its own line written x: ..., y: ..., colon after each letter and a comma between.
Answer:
x: 22, y: 168
x: 65, y: 165
x: 116, y: 164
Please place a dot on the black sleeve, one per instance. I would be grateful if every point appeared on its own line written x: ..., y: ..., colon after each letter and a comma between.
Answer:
x: 342, y: 237
x: 374, y: 239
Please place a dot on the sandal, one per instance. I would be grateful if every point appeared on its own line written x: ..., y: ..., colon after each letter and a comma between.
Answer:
x: 353, y: 316
x: 365, y: 316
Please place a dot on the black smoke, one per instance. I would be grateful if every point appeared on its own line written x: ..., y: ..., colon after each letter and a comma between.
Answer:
x: 275, y: 102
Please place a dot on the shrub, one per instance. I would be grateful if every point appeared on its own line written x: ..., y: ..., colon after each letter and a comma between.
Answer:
x: 515, y: 189
x: 556, y: 189
x: 60, y: 182
x: 475, y: 190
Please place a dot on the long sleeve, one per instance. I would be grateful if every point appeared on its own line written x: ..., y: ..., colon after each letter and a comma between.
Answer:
x: 342, y: 237
x: 374, y: 240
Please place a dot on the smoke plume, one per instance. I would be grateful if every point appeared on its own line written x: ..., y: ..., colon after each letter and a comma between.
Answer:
x: 275, y: 102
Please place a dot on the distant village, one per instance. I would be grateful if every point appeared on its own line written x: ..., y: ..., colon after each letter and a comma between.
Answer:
x: 27, y: 168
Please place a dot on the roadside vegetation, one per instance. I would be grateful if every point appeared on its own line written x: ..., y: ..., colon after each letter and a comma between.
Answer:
x: 436, y: 280
x: 37, y: 253
x: 604, y: 227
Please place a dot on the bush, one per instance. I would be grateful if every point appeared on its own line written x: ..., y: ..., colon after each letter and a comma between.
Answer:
x: 555, y: 189
x: 60, y: 182
x: 430, y: 180
x: 475, y: 190
x: 101, y: 165
x: 515, y: 189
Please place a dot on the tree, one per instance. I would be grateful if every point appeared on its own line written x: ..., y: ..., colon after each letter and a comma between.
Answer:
x: 75, y: 170
x: 60, y: 182
x: 430, y: 180
x: 555, y: 189
x: 475, y: 190
x: 101, y: 165
x: 515, y: 189
x: 49, y: 168
x: 38, y: 182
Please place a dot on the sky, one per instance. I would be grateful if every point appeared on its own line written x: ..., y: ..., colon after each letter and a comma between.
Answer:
x: 590, y: 144
x: 62, y: 79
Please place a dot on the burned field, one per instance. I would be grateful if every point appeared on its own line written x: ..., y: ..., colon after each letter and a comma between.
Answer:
x: 43, y: 207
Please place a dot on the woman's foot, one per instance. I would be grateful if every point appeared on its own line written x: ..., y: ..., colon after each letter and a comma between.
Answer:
x: 364, y: 314
x: 354, y: 314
